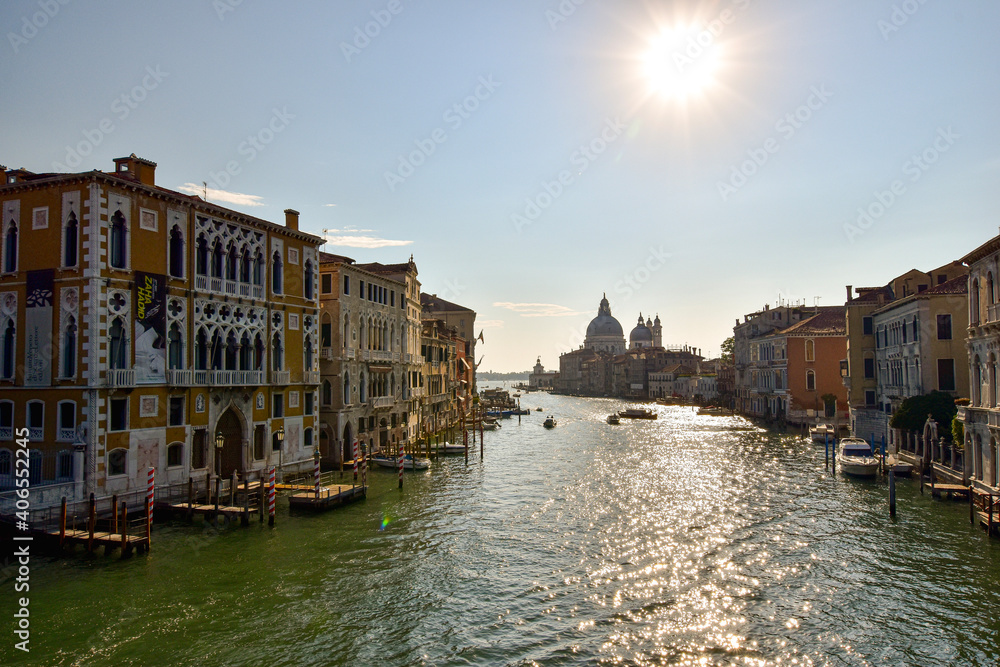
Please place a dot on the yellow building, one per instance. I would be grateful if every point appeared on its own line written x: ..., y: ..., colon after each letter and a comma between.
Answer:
x: 140, y: 323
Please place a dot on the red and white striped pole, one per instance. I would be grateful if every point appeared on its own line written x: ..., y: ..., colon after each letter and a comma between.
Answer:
x: 316, y: 471
x: 270, y: 497
x: 149, y: 504
x: 465, y: 441
x: 354, y: 455
x: 400, y: 464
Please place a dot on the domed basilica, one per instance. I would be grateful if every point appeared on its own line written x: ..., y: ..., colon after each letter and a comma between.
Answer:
x: 604, y: 333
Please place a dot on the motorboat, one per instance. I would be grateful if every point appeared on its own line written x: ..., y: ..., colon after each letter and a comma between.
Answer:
x: 713, y: 411
x: 538, y: 409
x: 490, y: 426
x: 637, y: 413
x: 897, y: 467
x: 549, y: 422
x: 855, y: 458
x: 409, y: 463
x: 613, y: 419
x: 822, y: 432
x: 450, y: 448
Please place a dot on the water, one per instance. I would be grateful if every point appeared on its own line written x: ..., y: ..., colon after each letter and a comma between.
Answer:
x: 685, y: 540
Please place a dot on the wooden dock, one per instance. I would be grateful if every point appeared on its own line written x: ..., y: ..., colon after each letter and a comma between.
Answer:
x: 329, y: 497
x: 200, y: 509
x: 110, y: 541
x: 947, y: 491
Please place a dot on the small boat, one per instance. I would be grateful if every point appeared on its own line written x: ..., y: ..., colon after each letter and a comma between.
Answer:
x: 409, y: 463
x: 549, y: 422
x: 820, y: 433
x: 518, y: 395
x: 713, y: 411
x: 899, y: 468
x: 613, y: 419
x: 538, y: 409
x: 450, y: 448
x: 855, y: 458
x: 637, y: 413
x: 490, y: 426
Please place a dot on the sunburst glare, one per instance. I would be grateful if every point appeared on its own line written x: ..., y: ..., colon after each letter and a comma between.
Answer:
x: 682, y: 62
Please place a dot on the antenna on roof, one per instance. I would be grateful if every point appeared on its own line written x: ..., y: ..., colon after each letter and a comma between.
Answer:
x: 325, y: 232
x: 204, y: 189
x: 816, y: 300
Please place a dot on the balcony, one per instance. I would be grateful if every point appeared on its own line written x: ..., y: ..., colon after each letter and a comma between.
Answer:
x: 119, y: 377
x: 310, y: 377
x: 233, y: 378
x: 6, y: 432
x: 231, y: 287
x: 383, y: 402
x: 439, y: 398
x: 349, y: 354
x: 201, y: 282
x: 215, y: 284
x: 395, y: 357
x: 66, y: 434
x: 326, y: 354
x: 992, y: 313
x: 281, y: 377
x: 36, y: 433
x: 418, y: 392
x: 179, y: 377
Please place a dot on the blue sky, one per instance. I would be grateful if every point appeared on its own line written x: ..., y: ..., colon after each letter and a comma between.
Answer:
x: 526, y: 154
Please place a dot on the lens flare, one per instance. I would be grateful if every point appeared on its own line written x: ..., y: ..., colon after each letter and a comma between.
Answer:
x: 682, y: 62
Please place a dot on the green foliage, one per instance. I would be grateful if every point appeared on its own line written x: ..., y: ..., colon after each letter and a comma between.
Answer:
x: 957, y: 432
x: 727, y: 349
x: 912, y: 414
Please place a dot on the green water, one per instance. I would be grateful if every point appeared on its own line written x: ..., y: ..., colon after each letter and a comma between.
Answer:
x: 685, y: 540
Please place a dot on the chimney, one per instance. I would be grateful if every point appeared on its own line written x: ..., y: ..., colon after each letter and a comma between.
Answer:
x: 292, y: 219
x: 136, y: 168
x: 849, y: 293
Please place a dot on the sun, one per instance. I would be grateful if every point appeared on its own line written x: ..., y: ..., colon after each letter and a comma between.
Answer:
x: 682, y: 62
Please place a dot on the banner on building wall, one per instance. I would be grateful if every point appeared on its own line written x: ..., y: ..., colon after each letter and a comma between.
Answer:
x: 38, y: 329
x: 150, y: 328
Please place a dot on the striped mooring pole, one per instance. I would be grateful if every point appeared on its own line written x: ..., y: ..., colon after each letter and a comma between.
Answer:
x: 354, y: 455
x: 400, y: 464
x: 364, y: 474
x: 316, y: 471
x: 149, y: 501
x: 270, y: 497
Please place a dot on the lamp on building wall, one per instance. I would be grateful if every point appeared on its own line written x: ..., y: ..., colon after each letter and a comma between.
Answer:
x: 220, y: 441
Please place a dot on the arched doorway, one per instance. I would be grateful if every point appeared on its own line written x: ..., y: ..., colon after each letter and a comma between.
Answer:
x: 347, y: 445
x: 231, y: 458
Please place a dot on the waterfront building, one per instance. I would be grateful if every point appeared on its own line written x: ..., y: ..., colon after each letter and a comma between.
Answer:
x: 981, y: 419
x: 438, y: 343
x: 539, y: 379
x: 371, y: 333
x: 790, y: 370
x: 920, y: 348
x: 459, y: 318
x: 762, y: 323
x: 144, y: 328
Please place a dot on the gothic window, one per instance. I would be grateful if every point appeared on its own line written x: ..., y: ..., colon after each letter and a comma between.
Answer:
x: 276, y: 273
x: 175, y: 347
x: 327, y: 392
x: 215, y: 350
x: 119, y: 241
x: 218, y: 259
x: 10, y: 248
x: 258, y: 352
x: 201, y: 350
x: 232, y: 265
x: 246, y: 267
x: 246, y: 353
x: 277, y: 353
x: 70, y: 240
x: 117, y: 346
x: 258, y: 269
x: 307, y: 286
x: 201, y: 257
x: 7, y: 365
x: 117, y: 462
x: 69, y: 348
x: 232, y: 351
x: 176, y: 252
x: 308, y: 355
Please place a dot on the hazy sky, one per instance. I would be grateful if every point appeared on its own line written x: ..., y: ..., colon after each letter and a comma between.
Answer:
x: 695, y: 160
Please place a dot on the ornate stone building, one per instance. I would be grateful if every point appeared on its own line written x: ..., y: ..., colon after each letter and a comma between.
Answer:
x: 140, y: 324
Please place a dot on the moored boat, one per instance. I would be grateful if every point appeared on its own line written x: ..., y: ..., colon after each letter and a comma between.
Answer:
x: 450, y: 448
x: 822, y: 432
x: 409, y: 463
x: 613, y: 419
x: 549, y: 422
x: 855, y: 458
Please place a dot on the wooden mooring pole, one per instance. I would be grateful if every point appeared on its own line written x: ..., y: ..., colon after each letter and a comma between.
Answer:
x: 190, y: 508
x: 826, y: 448
x: 892, y: 493
x: 62, y: 522
x: 972, y: 507
x: 270, y: 497
x: 91, y: 522
x: 124, y: 527
x: 400, y: 465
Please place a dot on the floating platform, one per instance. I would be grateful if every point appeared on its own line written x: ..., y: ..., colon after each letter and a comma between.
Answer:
x: 200, y: 509
x: 329, y: 497
x: 948, y: 491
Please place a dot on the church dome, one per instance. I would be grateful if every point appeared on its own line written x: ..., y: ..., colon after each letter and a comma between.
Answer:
x: 604, y: 324
x: 641, y: 333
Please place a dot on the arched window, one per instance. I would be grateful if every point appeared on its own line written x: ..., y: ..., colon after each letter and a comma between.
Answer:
x: 119, y: 243
x: 10, y: 248
x: 347, y: 332
x: 6, y: 463
x: 232, y: 263
x: 990, y: 293
x: 307, y: 438
x: 175, y: 455
x: 176, y: 252
x: 69, y: 348
x: 117, y: 462
x: 201, y: 350
x: 246, y: 353
x: 327, y: 392
x: 276, y: 273
x: 175, y: 347
x: 201, y: 257
x: 218, y: 259
x: 70, y: 240
x: 810, y: 350
x: 810, y: 381
x: 232, y: 352
x: 362, y: 394
x: 118, y: 346
x: 258, y: 269
x: 216, y: 351
x: 307, y: 280
x: 974, y: 302
x: 277, y: 353
x: 258, y: 353
x: 308, y: 355
x: 246, y: 267
x: 977, y: 381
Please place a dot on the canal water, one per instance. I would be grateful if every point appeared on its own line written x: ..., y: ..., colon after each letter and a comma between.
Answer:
x: 684, y: 540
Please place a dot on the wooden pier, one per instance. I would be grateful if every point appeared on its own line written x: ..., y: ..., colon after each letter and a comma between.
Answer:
x: 984, y: 510
x: 942, y: 490
x: 329, y: 497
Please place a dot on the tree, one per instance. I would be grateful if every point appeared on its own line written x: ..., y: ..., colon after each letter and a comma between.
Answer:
x: 912, y: 414
x: 728, y: 353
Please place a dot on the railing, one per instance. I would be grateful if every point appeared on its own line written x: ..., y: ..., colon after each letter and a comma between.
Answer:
x: 199, y: 377
x: 381, y: 355
x: 120, y: 377
x: 201, y: 282
x: 179, y: 377
x: 395, y: 357
x: 66, y: 434
x: 234, y: 378
x: 257, y: 291
x: 215, y: 284
x: 231, y: 287
x: 366, y: 355
x: 326, y: 354
x: 310, y: 377
x: 418, y: 392
x: 992, y: 313
x: 281, y: 377
x: 439, y: 398
x: 6, y: 432
x: 383, y: 402
x: 349, y: 353
x: 36, y: 433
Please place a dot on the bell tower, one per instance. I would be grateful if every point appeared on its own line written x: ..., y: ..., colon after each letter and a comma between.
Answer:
x: 657, y: 332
